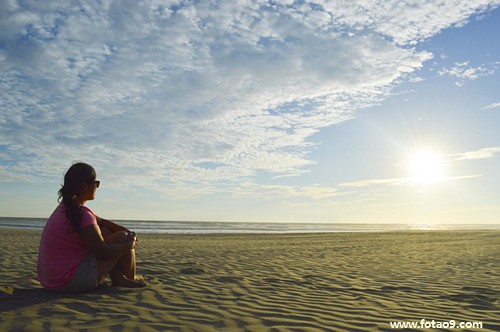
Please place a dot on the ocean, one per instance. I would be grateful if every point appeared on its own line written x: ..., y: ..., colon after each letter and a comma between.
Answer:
x: 213, y: 227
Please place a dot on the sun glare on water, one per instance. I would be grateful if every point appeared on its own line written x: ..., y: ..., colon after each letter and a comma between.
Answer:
x: 426, y: 167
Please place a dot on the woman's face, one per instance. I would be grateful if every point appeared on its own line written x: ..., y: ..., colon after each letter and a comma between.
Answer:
x: 89, y: 189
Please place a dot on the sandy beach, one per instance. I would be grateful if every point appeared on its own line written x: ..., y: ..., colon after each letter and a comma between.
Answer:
x: 294, y: 282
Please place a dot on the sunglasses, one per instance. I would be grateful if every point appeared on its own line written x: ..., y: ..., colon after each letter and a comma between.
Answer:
x: 97, y: 183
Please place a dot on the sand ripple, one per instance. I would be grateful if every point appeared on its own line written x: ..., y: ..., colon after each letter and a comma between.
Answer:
x: 313, y: 282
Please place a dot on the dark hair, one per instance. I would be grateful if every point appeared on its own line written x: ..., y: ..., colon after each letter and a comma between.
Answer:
x: 75, y: 177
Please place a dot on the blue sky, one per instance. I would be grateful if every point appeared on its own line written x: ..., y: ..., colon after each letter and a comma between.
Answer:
x: 290, y: 111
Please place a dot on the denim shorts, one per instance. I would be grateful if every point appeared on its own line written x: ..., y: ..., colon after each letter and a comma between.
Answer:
x: 85, y: 278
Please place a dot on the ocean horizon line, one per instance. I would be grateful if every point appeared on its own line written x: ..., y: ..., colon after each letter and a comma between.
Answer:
x: 214, y: 227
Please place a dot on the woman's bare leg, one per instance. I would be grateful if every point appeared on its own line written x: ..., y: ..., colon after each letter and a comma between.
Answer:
x: 126, y: 264
x: 122, y: 268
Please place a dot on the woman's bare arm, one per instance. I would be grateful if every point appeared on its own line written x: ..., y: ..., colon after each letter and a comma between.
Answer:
x: 111, y: 225
x: 92, y: 238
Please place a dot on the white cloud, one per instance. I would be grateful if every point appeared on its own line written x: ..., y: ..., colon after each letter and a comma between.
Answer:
x: 491, y: 106
x: 463, y: 72
x: 483, y: 153
x: 398, y: 181
x: 374, y: 182
x: 406, y: 22
x: 169, y: 95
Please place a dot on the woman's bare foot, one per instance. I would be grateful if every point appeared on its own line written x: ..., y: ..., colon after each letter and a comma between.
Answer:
x: 140, y: 278
x: 125, y: 282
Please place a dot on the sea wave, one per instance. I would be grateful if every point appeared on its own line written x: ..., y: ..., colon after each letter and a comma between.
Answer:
x: 213, y: 227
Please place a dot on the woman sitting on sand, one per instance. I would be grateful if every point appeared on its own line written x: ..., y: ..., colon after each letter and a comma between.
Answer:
x: 77, y: 248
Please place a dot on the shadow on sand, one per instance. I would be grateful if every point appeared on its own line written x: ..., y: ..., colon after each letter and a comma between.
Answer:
x: 21, y: 298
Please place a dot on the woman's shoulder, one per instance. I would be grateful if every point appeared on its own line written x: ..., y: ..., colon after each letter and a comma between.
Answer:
x: 88, y: 216
x: 59, y: 210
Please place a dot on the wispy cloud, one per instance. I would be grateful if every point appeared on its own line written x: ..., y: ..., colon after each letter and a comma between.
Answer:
x: 374, y: 182
x: 483, y: 153
x: 399, y: 181
x: 197, y: 97
x: 491, y: 106
x: 463, y: 72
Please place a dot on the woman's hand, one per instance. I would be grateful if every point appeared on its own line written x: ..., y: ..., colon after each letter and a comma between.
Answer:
x: 131, y: 236
x: 115, y: 244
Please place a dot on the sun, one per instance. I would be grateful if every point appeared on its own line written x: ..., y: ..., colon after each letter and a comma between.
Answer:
x: 426, y: 167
